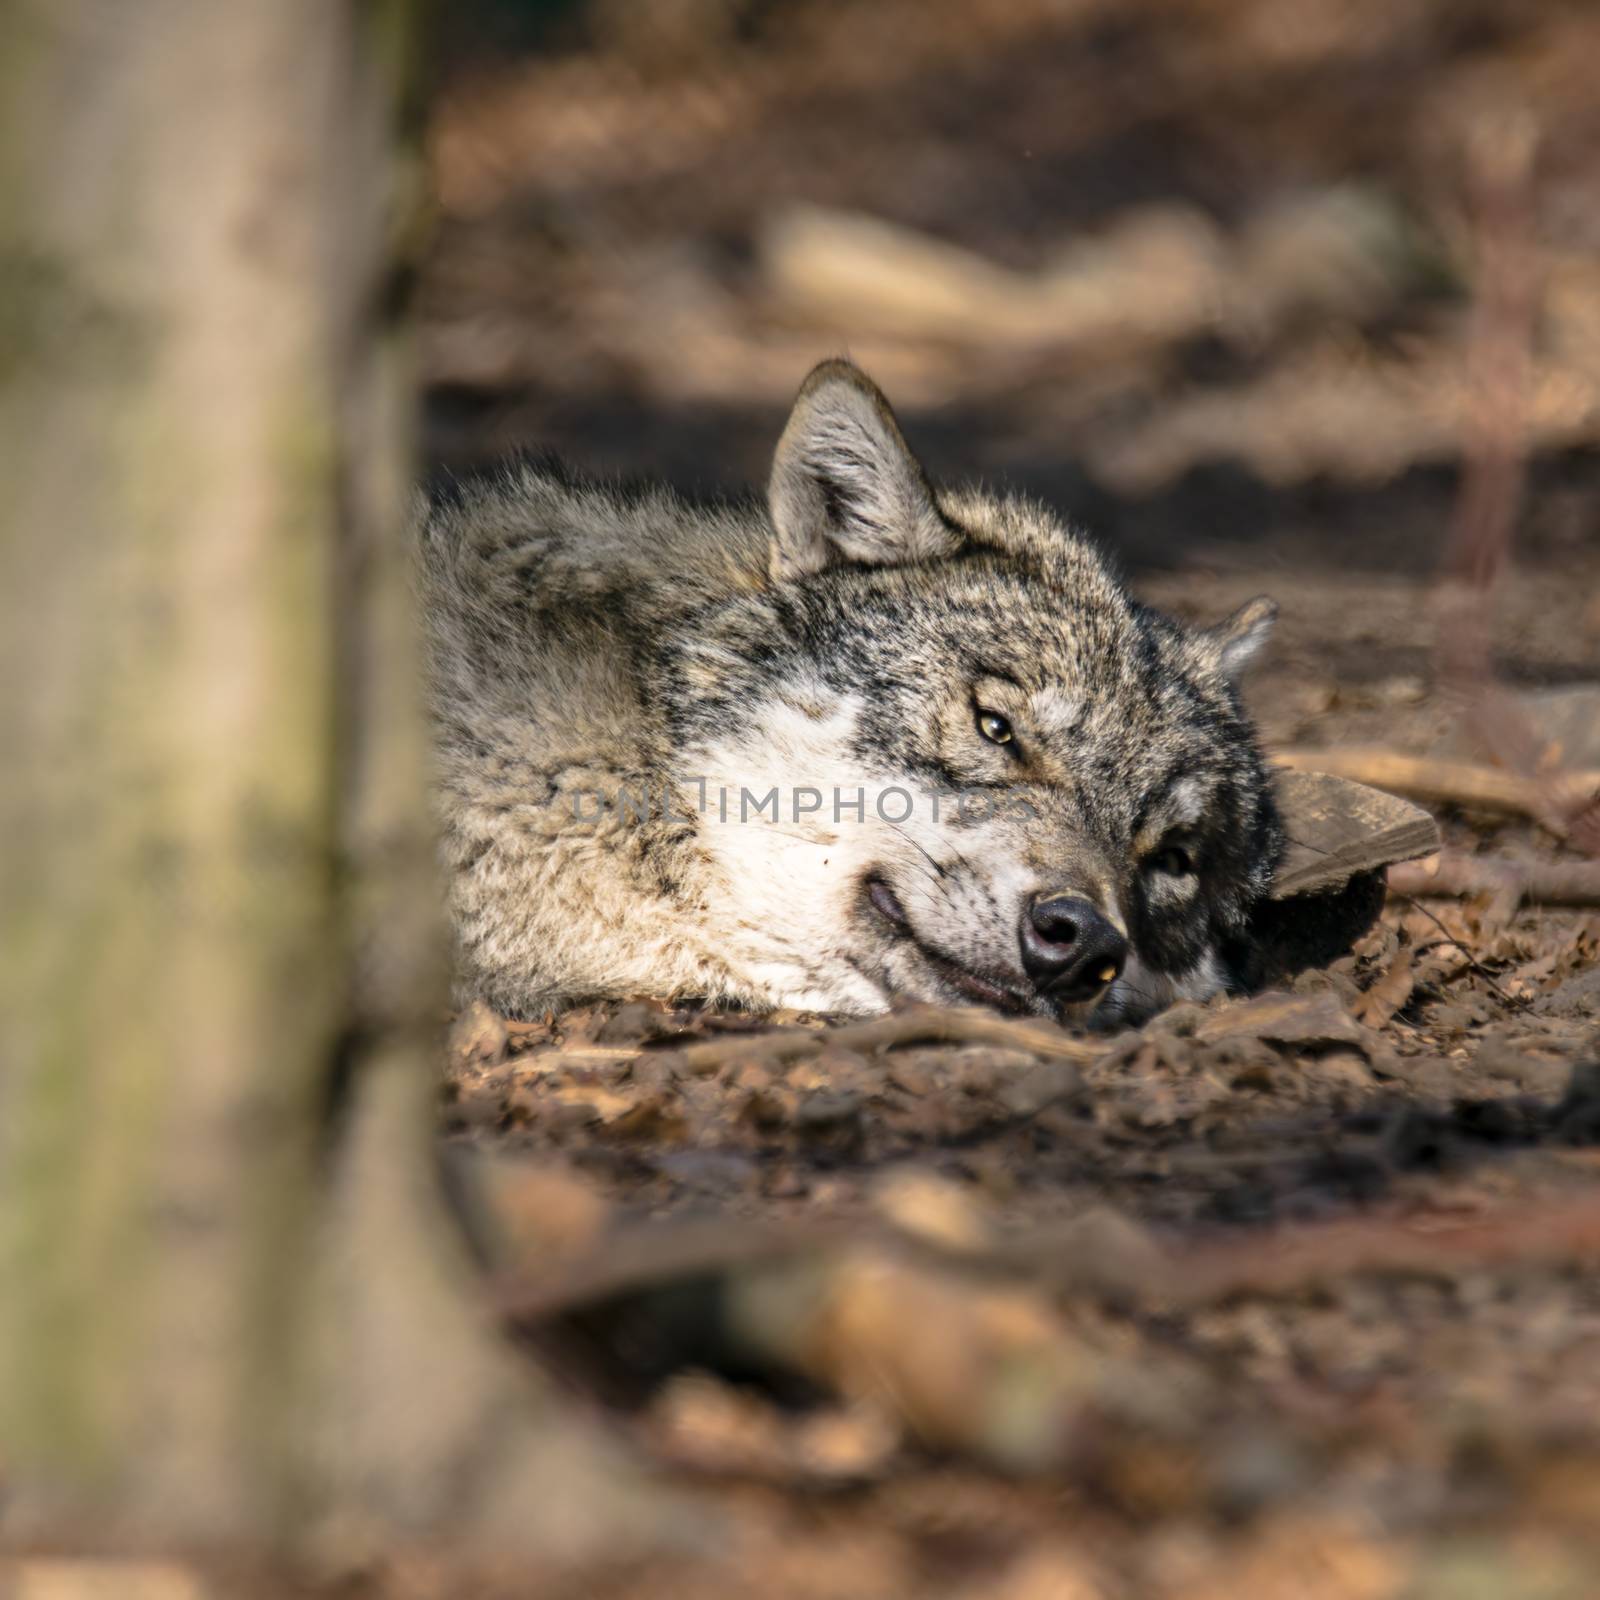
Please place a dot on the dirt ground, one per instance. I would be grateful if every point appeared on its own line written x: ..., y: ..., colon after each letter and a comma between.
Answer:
x: 1290, y: 1296
x: 1384, y: 1379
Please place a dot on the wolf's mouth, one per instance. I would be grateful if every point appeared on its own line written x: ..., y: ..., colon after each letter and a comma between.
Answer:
x: 985, y: 988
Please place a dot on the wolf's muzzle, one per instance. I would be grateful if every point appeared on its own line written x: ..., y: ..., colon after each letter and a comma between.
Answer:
x: 1069, y: 950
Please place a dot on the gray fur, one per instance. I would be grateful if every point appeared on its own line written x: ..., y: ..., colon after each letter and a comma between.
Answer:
x: 588, y: 643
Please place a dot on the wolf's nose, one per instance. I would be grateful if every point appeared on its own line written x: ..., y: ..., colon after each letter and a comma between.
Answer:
x: 1069, y: 949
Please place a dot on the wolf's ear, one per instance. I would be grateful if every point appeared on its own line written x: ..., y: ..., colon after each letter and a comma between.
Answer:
x: 1233, y: 643
x: 845, y: 486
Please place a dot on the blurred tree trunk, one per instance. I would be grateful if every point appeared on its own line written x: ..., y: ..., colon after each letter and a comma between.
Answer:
x: 229, y: 1299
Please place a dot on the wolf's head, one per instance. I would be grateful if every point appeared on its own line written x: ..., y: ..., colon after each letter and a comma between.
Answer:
x: 997, y: 777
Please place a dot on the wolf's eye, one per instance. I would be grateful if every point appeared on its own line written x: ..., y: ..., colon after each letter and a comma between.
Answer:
x: 1174, y: 861
x: 994, y: 727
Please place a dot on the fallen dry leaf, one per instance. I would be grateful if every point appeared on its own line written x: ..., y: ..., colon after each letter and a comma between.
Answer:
x: 1390, y: 993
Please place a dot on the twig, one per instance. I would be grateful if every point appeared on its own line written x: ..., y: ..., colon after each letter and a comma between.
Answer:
x: 1095, y: 1255
x: 1500, y: 364
x: 1121, y: 1259
x: 1472, y: 961
x: 649, y: 1257
x: 1454, y: 783
x: 774, y: 1048
x: 961, y: 1025
x: 1556, y: 883
x: 915, y: 1025
x: 1301, y: 1255
x: 1499, y: 358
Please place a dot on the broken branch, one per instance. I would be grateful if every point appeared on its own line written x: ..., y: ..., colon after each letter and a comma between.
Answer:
x: 1556, y: 883
x: 1555, y: 1232
x: 1452, y: 783
x: 915, y: 1025
x: 960, y: 1025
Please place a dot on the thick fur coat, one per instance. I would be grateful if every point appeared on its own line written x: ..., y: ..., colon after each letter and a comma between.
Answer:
x: 868, y: 740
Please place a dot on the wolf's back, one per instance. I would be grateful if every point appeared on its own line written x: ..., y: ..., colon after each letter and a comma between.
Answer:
x: 542, y: 597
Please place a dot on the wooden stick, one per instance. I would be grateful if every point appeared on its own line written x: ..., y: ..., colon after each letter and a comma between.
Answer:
x: 784, y: 1044
x: 1460, y: 783
x: 1540, y: 1233
x: 961, y: 1025
x: 1091, y: 1255
x: 1553, y: 883
x: 915, y: 1025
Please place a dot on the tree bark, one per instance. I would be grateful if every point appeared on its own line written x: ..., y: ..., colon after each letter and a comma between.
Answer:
x: 231, y: 1305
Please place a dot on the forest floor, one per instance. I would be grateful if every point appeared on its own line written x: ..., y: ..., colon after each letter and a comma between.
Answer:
x: 1319, y: 1266
x: 1291, y: 1296
x: 1288, y: 1297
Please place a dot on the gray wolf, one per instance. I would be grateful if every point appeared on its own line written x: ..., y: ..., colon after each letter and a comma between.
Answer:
x: 870, y: 740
